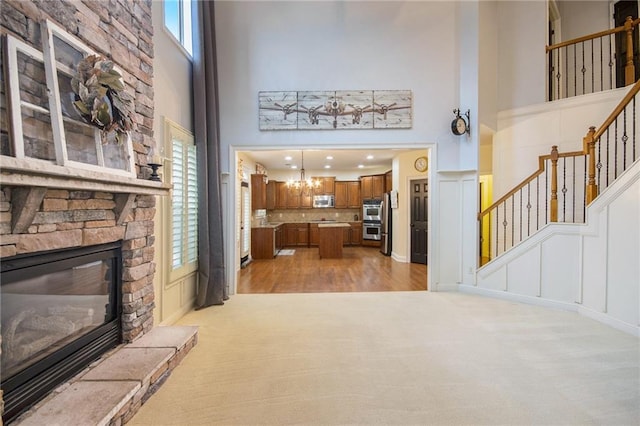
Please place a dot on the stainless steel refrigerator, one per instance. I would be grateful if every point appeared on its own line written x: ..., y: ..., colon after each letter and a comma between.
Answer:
x: 385, y: 228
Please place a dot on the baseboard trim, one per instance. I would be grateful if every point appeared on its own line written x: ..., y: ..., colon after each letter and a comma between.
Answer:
x: 445, y: 287
x: 572, y: 307
x: 531, y: 300
x: 608, y: 320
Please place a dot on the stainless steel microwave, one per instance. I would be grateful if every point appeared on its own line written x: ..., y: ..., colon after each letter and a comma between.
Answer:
x: 321, y: 201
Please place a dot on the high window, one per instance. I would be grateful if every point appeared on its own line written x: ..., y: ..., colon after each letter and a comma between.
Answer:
x: 184, y: 201
x: 177, y: 20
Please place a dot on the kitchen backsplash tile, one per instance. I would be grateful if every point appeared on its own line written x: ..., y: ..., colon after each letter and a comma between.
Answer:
x: 303, y: 215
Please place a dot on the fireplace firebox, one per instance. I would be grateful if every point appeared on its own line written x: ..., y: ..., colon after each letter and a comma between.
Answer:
x: 61, y: 310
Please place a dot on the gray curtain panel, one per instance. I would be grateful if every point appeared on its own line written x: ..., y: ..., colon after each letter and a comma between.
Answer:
x: 212, y: 282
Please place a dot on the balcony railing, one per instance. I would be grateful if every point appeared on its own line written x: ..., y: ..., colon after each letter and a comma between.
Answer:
x: 588, y: 64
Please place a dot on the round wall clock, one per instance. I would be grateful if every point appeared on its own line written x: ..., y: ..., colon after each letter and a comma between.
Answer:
x: 460, y: 125
x: 421, y: 164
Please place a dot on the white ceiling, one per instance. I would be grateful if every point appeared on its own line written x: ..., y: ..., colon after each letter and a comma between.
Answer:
x: 346, y: 160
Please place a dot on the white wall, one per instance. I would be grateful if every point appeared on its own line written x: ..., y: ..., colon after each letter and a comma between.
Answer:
x: 592, y: 268
x: 522, y: 35
x: 172, y: 100
x: 337, y: 46
x: 525, y: 133
x: 579, y: 18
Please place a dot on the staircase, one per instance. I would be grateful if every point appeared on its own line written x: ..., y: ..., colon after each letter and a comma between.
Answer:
x: 564, y: 184
x: 568, y: 235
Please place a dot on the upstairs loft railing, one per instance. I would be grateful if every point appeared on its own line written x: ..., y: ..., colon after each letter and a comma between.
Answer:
x: 564, y: 184
x: 588, y: 64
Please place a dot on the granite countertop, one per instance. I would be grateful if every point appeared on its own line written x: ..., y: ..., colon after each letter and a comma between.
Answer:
x: 334, y: 225
x: 268, y: 225
x: 323, y: 223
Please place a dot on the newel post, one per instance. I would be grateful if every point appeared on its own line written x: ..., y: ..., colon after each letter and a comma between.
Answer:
x: 590, y: 143
x: 553, y: 207
x: 629, y: 68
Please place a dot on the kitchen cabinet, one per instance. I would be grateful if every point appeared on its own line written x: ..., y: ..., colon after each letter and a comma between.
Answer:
x: 327, y: 185
x: 372, y: 187
x: 352, y: 236
x: 297, y: 199
x: 293, y: 198
x: 313, y: 235
x: 347, y: 195
x: 272, y: 194
x: 355, y: 238
x: 281, y: 195
x: 388, y: 181
x: 258, y: 192
x: 296, y: 234
x: 266, y: 242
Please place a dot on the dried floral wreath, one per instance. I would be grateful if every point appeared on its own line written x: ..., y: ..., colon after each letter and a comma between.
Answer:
x: 100, y: 96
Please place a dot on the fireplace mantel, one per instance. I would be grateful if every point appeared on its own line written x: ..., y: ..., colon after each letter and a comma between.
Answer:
x: 26, y: 172
x: 33, y: 178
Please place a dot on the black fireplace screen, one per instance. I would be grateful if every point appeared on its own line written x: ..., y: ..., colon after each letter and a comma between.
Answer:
x: 60, y: 311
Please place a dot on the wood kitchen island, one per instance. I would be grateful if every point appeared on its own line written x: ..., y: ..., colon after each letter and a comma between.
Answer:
x: 330, y: 240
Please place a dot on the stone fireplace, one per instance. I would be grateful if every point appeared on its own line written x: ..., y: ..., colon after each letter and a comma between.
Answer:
x: 61, y: 310
x: 47, y: 206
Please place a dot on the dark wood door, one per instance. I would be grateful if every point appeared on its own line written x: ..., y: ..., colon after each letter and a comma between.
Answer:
x: 419, y: 218
x: 621, y: 10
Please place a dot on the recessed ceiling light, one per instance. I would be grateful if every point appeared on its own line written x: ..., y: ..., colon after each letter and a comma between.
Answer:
x: 329, y: 157
x: 293, y: 166
x: 327, y: 166
x: 369, y: 157
x: 361, y: 166
x: 288, y: 158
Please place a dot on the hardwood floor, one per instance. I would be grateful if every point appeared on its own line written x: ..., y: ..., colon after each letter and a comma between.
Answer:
x: 360, y: 269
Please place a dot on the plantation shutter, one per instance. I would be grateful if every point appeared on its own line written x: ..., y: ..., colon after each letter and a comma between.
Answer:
x: 177, y: 204
x: 192, y: 206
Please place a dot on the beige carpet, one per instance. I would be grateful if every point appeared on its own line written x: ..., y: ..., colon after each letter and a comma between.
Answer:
x: 398, y: 358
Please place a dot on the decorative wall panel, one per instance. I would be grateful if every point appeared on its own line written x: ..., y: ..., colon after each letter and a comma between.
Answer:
x: 341, y: 109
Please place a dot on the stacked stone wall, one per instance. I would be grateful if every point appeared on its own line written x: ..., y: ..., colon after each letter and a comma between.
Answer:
x: 122, y: 31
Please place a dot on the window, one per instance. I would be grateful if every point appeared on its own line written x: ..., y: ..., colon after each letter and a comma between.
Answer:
x: 184, y: 200
x: 177, y: 20
x: 45, y: 126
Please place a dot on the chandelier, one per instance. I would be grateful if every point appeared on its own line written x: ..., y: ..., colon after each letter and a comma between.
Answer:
x: 304, y: 184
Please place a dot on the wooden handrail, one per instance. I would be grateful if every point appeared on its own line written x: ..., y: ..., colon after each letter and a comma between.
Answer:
x: 541, y: 168
x: 620, y: 29
x: 623, y: 103
x: 585, y: 151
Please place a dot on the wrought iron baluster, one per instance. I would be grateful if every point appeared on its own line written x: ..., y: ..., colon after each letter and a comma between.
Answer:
x: 528, y: 208
x: 513, y: 202
x: 592, y: 69
x: 606, y: 151
x: 575, y: 72
x: 583, y: 70
x: 573, y: 190
x: 634, y: 131
x: 504, y: 227
x: 566, y: 71
x: 558, y: 75
x: 610, y: 64
x: 537, y: 202
x: 601, y: 67
x: 564, y: 189
x: 497, y: 228
x: 615, y: 153
x: 584, y: 198
x: 520, y: 214
x: 624, y: 140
